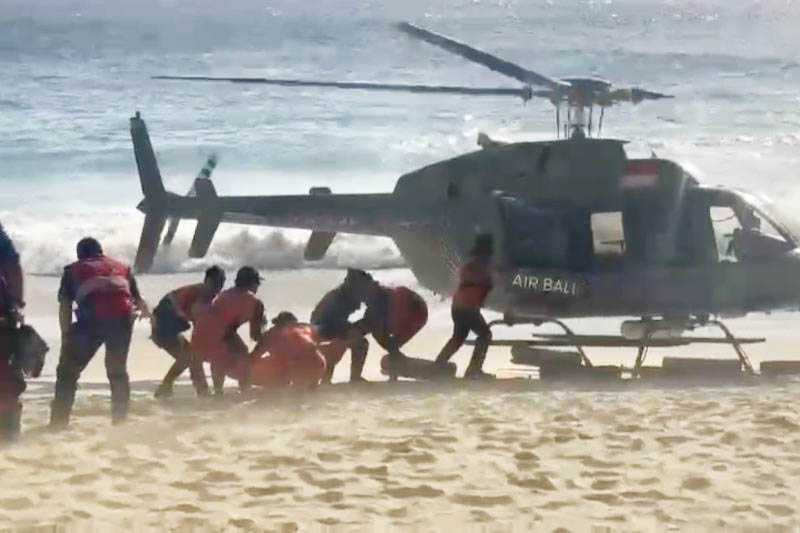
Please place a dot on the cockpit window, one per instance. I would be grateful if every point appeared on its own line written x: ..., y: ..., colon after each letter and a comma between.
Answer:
x: 744, y: 231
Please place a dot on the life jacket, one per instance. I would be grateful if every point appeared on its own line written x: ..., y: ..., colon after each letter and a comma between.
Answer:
x: 102, y: 288
x: 475, y: 282
x: 408, y: 312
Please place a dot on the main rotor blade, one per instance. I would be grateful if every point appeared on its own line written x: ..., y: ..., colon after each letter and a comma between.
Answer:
x: 487, y: 60
x: 523, y: 92
x: 634, y: 95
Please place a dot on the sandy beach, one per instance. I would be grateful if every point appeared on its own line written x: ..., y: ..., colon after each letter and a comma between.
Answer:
x: 513, y: 455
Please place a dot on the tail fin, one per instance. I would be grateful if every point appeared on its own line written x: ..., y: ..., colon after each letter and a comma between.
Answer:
x: 155, y: 196
x: 149, y: 175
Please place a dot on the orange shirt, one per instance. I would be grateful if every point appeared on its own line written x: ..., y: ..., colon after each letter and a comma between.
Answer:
x: 232, y: 308
x: 475, y: 282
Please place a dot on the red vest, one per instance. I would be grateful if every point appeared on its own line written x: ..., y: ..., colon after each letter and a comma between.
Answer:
x: 102, y: 288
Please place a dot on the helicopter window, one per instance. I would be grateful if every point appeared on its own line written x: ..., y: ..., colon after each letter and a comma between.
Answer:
x: 536, y: 237
x: 725, y: 223
x: 608, y: 235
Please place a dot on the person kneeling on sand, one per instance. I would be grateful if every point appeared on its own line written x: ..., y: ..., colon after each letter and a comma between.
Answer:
x: 293, y: 360
x: 173, y: 315
x: 215, y: 338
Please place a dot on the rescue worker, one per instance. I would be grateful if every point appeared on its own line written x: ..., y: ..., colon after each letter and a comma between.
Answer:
x: 393, y: 316
x: 215, y: 338
x: 12, y: 384
x: 294, y: 358
x: 331, y: 320
x: 173, y: 315
x: 107, y: 299
x: 475, y: 283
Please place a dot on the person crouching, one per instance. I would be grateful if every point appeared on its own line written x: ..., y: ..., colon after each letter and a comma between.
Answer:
x: 173, y: 315
x: 293, y: 360
x: 215, y: 338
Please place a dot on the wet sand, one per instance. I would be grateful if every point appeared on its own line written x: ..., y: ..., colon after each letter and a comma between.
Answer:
x: 509, y: 455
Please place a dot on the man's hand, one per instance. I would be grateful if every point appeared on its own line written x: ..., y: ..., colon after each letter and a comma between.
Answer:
x: 144, y: 310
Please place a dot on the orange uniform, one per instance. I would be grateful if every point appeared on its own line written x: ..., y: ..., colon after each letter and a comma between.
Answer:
x: 294, y: 358
x: 214, y: 336
x: 475, y: 283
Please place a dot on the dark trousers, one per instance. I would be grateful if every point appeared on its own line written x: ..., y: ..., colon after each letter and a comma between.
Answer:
x: 82, y: 342
x: 12, y: 385
x: 464, y: 321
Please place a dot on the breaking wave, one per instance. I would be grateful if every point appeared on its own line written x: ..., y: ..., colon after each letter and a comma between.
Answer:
x: 46, y: 248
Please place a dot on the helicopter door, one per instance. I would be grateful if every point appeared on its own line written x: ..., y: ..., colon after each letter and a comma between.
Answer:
x: 544, y: 237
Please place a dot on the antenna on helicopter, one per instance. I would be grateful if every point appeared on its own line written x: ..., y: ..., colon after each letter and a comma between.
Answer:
x: 580, y: 95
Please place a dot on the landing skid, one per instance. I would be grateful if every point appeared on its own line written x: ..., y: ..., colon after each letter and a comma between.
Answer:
x: 652, y: 340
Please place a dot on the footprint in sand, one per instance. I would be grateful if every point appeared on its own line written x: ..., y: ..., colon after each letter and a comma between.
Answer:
x: 421, y: 491
x: 331, y: 496
x: 15, y: 504
x: 473, y: 500
x: 183, y: 508
x: 696, y: 483
x: 607, y: 498
x: 605, y: 484
x: 272, y: 490
x: 540, y: 482
x: 217, y: 476
x: 779, y: 510
x: 378, y: 471
x: 330, y: 483
x: 82, y: 479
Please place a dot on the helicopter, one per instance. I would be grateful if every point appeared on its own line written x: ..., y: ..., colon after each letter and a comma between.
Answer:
x: 580, y: 229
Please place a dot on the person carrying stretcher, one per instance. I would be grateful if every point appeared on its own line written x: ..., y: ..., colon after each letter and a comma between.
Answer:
x: 215, y: 337
x: 293, y: 360
x: 474, y: 284
x: 173, y: 315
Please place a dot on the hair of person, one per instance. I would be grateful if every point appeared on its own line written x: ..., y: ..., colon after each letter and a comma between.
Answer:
x: 246, y: 276
x: 7, y: 248
x: 214, y: 272
x: 284, y: 317
x: 89, y: 247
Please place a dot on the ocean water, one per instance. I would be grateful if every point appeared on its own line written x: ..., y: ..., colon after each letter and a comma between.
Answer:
x: 73, y: 71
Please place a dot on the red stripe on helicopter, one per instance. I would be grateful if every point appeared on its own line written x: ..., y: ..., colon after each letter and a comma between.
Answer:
x: 640, y: 173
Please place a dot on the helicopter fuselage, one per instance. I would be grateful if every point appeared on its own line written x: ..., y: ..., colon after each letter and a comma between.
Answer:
x: 579, y: 229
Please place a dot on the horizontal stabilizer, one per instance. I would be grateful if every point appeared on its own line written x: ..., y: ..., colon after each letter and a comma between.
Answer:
x: 318, y: 244
x: 148, y: 243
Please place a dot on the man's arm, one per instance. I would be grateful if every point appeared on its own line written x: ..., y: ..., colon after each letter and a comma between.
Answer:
x: 66, y: 295
x: 64, y: 317
x: 138, y: 301
x: 257, y: 322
